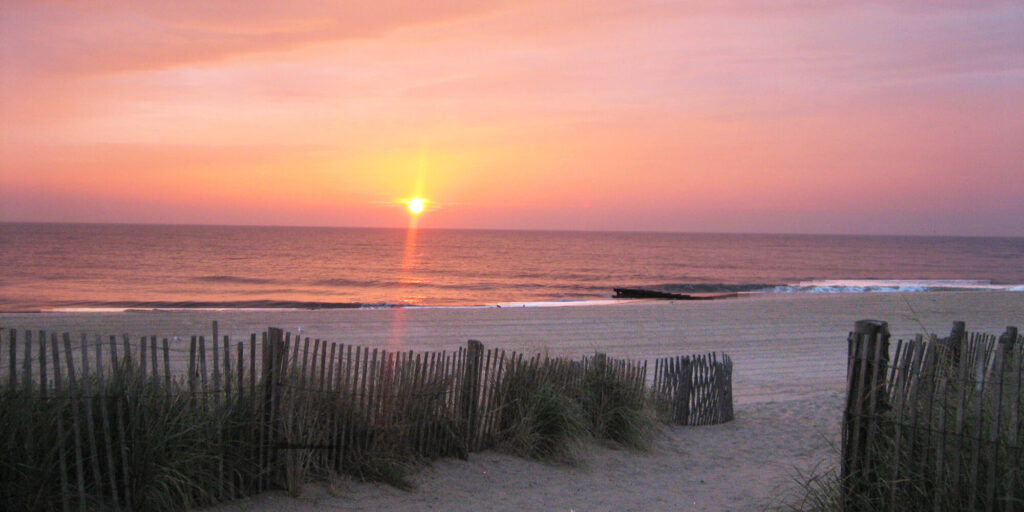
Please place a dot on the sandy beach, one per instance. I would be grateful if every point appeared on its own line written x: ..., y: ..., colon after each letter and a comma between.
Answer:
x: 789, y: 353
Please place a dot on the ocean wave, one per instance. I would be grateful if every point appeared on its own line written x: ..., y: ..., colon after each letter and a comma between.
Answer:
x: 242, y: 304
x: 893, y: 285
x: 839, y: 286
x: 343, y: 282
x: 232, y: 279
x: 685, y: 288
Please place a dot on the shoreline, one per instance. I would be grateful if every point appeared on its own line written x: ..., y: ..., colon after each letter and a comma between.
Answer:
x: 783, y: 345
x: 609, y: 300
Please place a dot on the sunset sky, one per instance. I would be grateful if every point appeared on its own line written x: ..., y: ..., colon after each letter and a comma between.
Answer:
x: 894, y: 117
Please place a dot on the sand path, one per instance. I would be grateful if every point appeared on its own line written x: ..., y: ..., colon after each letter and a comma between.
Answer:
x: 740, y: 466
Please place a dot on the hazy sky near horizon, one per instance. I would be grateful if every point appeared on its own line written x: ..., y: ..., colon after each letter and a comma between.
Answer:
x: 889, y: 117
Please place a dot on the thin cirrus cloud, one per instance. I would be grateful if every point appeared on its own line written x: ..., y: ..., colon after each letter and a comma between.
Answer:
x: 733, y: 115
x: 98, y: 37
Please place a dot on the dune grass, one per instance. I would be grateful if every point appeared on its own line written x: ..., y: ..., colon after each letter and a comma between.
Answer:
x: 549, y: 408
x: 951, y: 445
x: 163, y: 445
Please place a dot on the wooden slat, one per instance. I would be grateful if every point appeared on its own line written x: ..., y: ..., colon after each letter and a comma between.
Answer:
x: 363, y: 405
x: 341, y: 397
x: 246, y: 437
x: 419, y: 400
x: 387, y: 396
x: 900, y: 365
x: 167, y: 363
x: 1002, y: 352
x: 855, y: 405
x: 73, y: 396
x: 314, y: 367
x: 216, y: 359
x: 330, y: 367
x: 346, y: 399
x: 26, y: 365
x: 192, y: 377
x: 152, y: 357
x: 23, y: 449
x: 142, y: 355
x: 261, y: 410
x: 305, y: 361
x: 12, y: 361
x: 323, y: 365
x: 107, y: 438
x: 65, y: 490
x: 127, y: 350
x: 332, y: 423
x: 433, y: 414
x: 1014, y: 450
x: 204, y: 390
x: 119, y: 407
x: 90, y: 424
x: 43, y: 381
x: 925, y: 403
x: 398, y: 418
x: 477, y: 440
x: 226, y: 344
x: 352, y: 393
x: 975, y: 463
x: 961, y: 409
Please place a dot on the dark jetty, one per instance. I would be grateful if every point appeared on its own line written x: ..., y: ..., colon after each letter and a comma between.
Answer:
x: 640, y: 293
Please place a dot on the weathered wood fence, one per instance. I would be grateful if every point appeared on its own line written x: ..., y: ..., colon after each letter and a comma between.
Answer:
x: 935, y: 425
x: 693, y: 390
x: 255, y: 415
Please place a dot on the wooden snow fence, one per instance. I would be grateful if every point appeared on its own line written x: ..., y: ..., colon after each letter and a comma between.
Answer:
x: 85, y: 419
x: 693, y: 390
x: 933, y: 423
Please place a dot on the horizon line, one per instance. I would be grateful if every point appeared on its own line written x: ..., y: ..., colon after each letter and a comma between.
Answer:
x: 541, y: 230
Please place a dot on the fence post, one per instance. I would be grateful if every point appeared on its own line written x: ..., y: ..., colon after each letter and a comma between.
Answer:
x: 865, y: 401
x: 683, y: 388
x: 273, y: 355
x: 1008, y: 339
x: 955, y: 342
x: 471, y: 393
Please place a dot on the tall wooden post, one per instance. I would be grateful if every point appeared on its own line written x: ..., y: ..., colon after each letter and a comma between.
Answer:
x: 865, y: 403
x: 471, y: 394
x: 1006, y: 342
x: 273, y: 362
x: 955, y: 342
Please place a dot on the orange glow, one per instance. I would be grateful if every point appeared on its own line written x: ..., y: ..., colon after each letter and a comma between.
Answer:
x: 738, y: 116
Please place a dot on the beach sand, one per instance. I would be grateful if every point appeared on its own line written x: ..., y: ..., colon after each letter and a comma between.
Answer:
x: 790, y: 362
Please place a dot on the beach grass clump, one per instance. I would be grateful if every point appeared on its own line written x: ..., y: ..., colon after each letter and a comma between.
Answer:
x: 817, y: 490
x: 184, y: 449
x: 409, y: 425
x: 942, y: 447
x: 169, y: 449
x: 385, y: 462
x: 538, y: 416
x: 616, y: 406
x: 29, y: 469
x: 125, y: 437
x: 548, y: 407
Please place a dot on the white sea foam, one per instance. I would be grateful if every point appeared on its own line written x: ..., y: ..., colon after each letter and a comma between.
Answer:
x: 563, y: 303
x: 893, y: 285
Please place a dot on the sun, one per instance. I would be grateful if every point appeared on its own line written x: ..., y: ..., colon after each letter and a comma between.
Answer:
x: 416, y: 205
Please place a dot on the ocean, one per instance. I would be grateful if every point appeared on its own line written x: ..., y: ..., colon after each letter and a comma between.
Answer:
x: 110, y: 267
